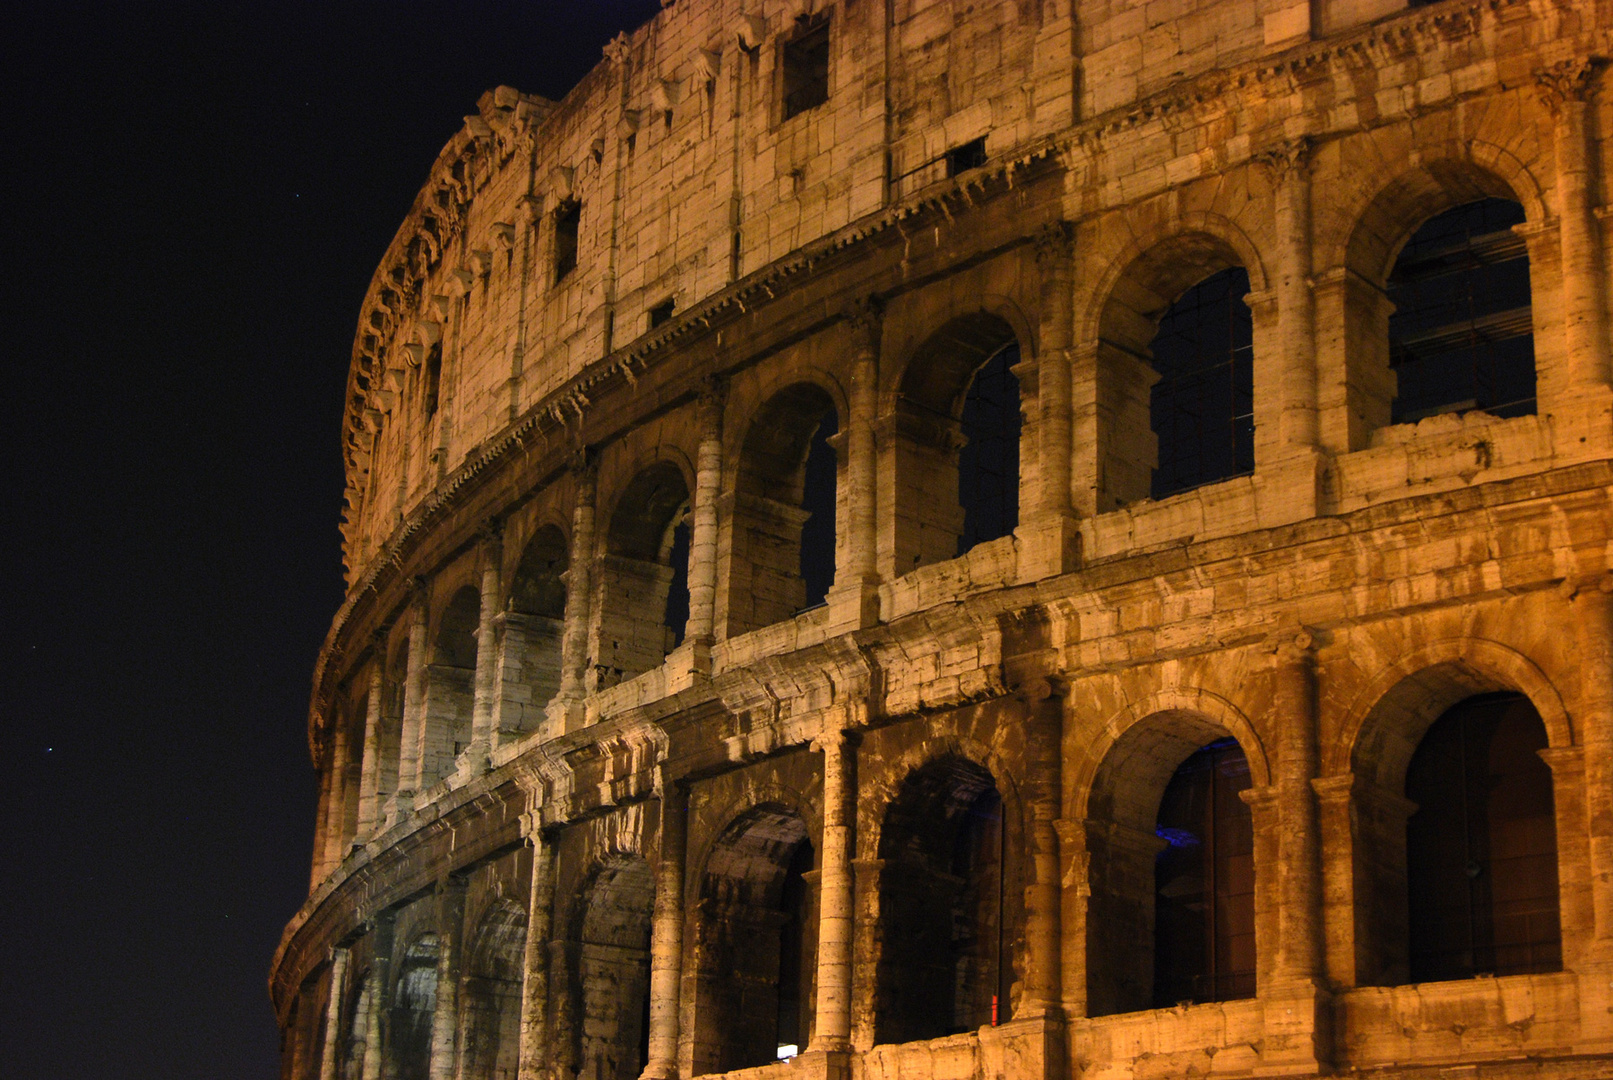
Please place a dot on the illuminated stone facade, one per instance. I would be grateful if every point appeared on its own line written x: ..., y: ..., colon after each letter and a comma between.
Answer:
x: 631, y: 764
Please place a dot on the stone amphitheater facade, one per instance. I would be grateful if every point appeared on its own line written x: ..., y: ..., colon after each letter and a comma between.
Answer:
x: 616, y: 781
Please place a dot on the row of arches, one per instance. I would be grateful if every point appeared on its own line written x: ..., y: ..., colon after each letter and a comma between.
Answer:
x: 1465, y: 883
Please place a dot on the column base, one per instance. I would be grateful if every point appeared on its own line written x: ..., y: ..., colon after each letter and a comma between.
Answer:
x: 1049, y: 545
x: 854, y: 606
x: 565, y: 715
x: 688, y: 664
x: 1298, y: 1029
x: 1291, y: 488
x: 822, y: 1064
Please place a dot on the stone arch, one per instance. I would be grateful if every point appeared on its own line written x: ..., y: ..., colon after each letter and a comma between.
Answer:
x: 450, y: 684
x: 533, y: 625
x: 644, y: 574
x: 1448, y: 176
x: 1367, y: 764
x: 950, y: 944
x: 414, y: 1002
x: 1121, y: 784
x: 938, y: 480
x: 358, y: 1013
x: 490, y: 997
x: 608, y: 970
x: 755, y: 940
x: 780, y: 559
x: 1140, y: 289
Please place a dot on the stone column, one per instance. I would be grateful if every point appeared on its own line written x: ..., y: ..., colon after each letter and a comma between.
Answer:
x: 445, y: 1017
x: 1055, y: 250
x: 857, y: 582
x: 486, y: 686
x: 534, y: 1053
x: 703, y: 529
x: 381, y: 934
x: 666, y: 933
x: 565, y: 711
x: 329, y: 1058
x: 319, y: 868
x: 1595, y: 610
x: 410, y: 756
x: 832, y: 1027
x: 1564, y: 88
x: 1043, y: 995
x: 336, y: 801
x: 369, y: 783
x: 1289, y: 165
x: 1299, y: 863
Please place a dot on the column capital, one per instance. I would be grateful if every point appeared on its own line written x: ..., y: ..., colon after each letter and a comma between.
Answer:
x: 1293, y: 644
x: 1565, y: 81
x: 711, y: 397
x: 1290, y: 158
x: 491, y: 531
x: 584, y: 463
x: 418, y: 586
x: 1055, y: 243
x: 865, y: 314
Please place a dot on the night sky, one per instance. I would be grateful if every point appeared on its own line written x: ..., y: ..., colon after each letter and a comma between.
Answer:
x: 195, y: 197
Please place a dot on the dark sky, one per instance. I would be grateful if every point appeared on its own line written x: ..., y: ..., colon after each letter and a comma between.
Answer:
x: 194, y: 199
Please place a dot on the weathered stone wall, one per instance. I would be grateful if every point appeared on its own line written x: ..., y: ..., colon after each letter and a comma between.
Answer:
x: 550, y: 843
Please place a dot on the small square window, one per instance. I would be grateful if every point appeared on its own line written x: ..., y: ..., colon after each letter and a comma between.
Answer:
x: 806, y: 67
x: 971, y: 155
x: 566, y: 220
x: 661, y: 313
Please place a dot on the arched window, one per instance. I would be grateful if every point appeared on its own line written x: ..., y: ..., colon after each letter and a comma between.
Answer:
x: 949, y: 909
x: 1204, y: 882
x: 490, y: 1000
x: 533, y: 628
x: 957, y: 442
x: 1202, y: 408
x: 757, y: 939
x: 450, y: 686
x: 414, y: 1001
x: 1462, y: 333
x: 1481, y: 847
x: 610, y: 976
x: 644, y: 577
x: 1170, y: 915
x: 783, y: 550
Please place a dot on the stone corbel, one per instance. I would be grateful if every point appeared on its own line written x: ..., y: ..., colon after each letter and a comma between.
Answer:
x: 504, y: 234
x: 752, y: 31
x: 707, y: 64
x: 663, y: 94
x: 617, y: 48
x: 477, y: 127
x: 428, y: 332
x: 441, y: 306
x: 481, y: 262
x: 627, y: 126
x: 561, y: 178
x: 415, y: 352
x: 460, y: 281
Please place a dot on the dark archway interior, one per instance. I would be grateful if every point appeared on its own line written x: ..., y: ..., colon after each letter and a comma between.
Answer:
x: 611, y: 977
x: 758, y: 935
x: 534, y: 627
x: 957, y: 447
x: 1462, y: 333
x: 948, y: 910
x: 645, y: 579
x: 414, y: 1000
x: 539, y: 587
x: 1481, y: 848
x: 1204, y: 881
x: 784, y: 510
x: 1202, y: 408
x: 490, y: 1001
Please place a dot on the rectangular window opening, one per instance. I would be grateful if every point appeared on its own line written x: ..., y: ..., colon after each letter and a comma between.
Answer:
x: 566, y: 220
x: 806, y: 67
x: 971, y: 155
x: 661, y: 313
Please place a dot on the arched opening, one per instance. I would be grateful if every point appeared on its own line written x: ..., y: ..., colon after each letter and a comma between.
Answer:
x: 1170, y: 915
x: 389, y: 739
x: 783, y: 550
x: 758, y: 942
x: 534, y: 626
x: 1462, y: 333
x: 1436, y: 308
x: 957, y: 442
x: 1204, y: 881
x: 490, y: 999
x: 450, y: 686
x: 644, y: 576
x: 1481, y: 846
x: 1176, y: 372
x: 414, y: 1000
x: 950, y: 906
x: 610, y: 983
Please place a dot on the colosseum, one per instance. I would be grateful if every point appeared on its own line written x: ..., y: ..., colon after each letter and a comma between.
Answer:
x: 964, y: 540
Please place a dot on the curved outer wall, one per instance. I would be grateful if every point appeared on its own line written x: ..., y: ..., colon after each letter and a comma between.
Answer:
x: 539, y: 809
